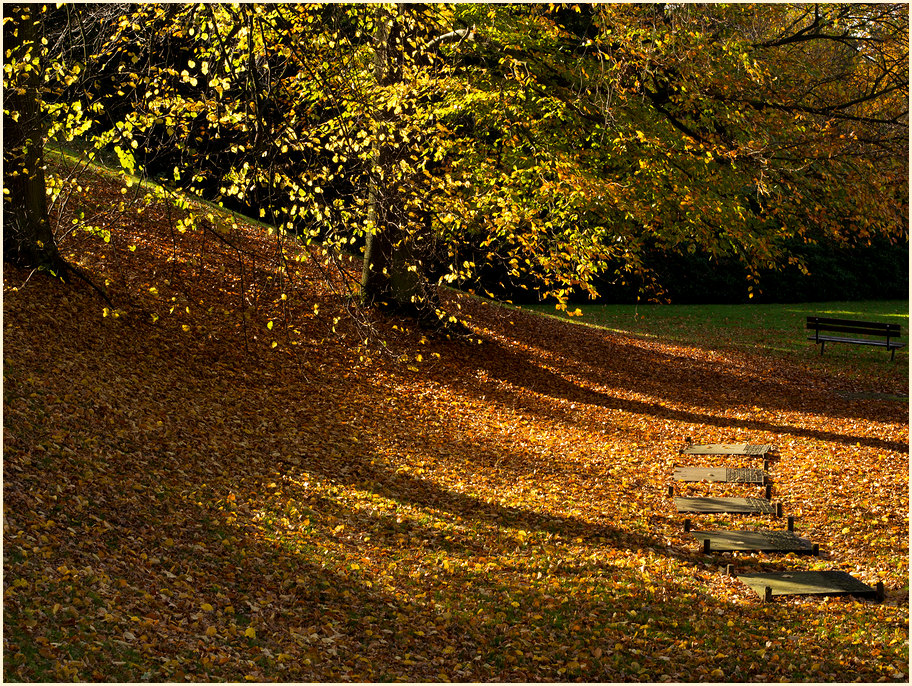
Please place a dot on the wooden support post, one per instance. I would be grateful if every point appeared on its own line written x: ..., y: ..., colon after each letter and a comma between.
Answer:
x: 671, y: 491
x: 769, y: 491
x: 816, y: 550
x: 880, y: 591
x: 768, y: 595
x: 686, y: 525
x: 706, y: 550
x: 791, y: 523
x: 778, y: 509
x: 730, y: 570
x: 766, y: 464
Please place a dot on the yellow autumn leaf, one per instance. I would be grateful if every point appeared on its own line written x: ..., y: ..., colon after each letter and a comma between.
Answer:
x: 250, y: 632
x: 207, y: 607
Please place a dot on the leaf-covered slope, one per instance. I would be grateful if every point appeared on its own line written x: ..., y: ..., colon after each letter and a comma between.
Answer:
x: 182, y: 499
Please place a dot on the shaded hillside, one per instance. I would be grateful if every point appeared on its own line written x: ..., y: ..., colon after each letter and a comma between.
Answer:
x: 204, y: 481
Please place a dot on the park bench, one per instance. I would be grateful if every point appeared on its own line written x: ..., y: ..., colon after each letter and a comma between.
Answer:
x: 880, y: 333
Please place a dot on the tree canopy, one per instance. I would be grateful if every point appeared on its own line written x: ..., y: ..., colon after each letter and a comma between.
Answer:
x: 543, y: 145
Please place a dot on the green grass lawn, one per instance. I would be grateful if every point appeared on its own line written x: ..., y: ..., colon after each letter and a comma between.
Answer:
x: 772, y: 327
x: 776, y: 330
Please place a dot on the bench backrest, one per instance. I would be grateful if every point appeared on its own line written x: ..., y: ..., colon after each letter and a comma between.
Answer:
x: 853, y: 326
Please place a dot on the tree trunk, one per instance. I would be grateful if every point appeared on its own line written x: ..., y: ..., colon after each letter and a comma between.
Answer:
x: 27, y: 236
x: 390, y: 275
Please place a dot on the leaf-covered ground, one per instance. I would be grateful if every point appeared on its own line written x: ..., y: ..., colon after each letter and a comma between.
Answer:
x: 205, y: 482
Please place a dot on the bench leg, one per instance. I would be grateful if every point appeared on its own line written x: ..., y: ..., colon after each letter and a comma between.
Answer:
x: 822, y: 345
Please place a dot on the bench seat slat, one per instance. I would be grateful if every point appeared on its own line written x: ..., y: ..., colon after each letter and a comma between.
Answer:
x: 859, y: 341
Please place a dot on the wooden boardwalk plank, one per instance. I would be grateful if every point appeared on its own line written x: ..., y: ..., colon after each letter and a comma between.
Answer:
x: 807, y: 583
x: 720, y: 474
x: 754, y: 541
x: 728, y: 449
x: 727, y: 505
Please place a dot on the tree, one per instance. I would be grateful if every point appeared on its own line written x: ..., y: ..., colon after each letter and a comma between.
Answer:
x: 543, y: 145
x: 27, y: 236
x: 725, y: 129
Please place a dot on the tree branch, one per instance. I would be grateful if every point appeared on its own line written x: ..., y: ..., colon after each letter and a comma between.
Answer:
x: 460, y: 34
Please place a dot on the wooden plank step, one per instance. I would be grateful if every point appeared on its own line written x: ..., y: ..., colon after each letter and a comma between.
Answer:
x: 832, y: 582
x: 728, y: 505
x: 728, y: 449
x: 729, y: 475
x: 754, y: 541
